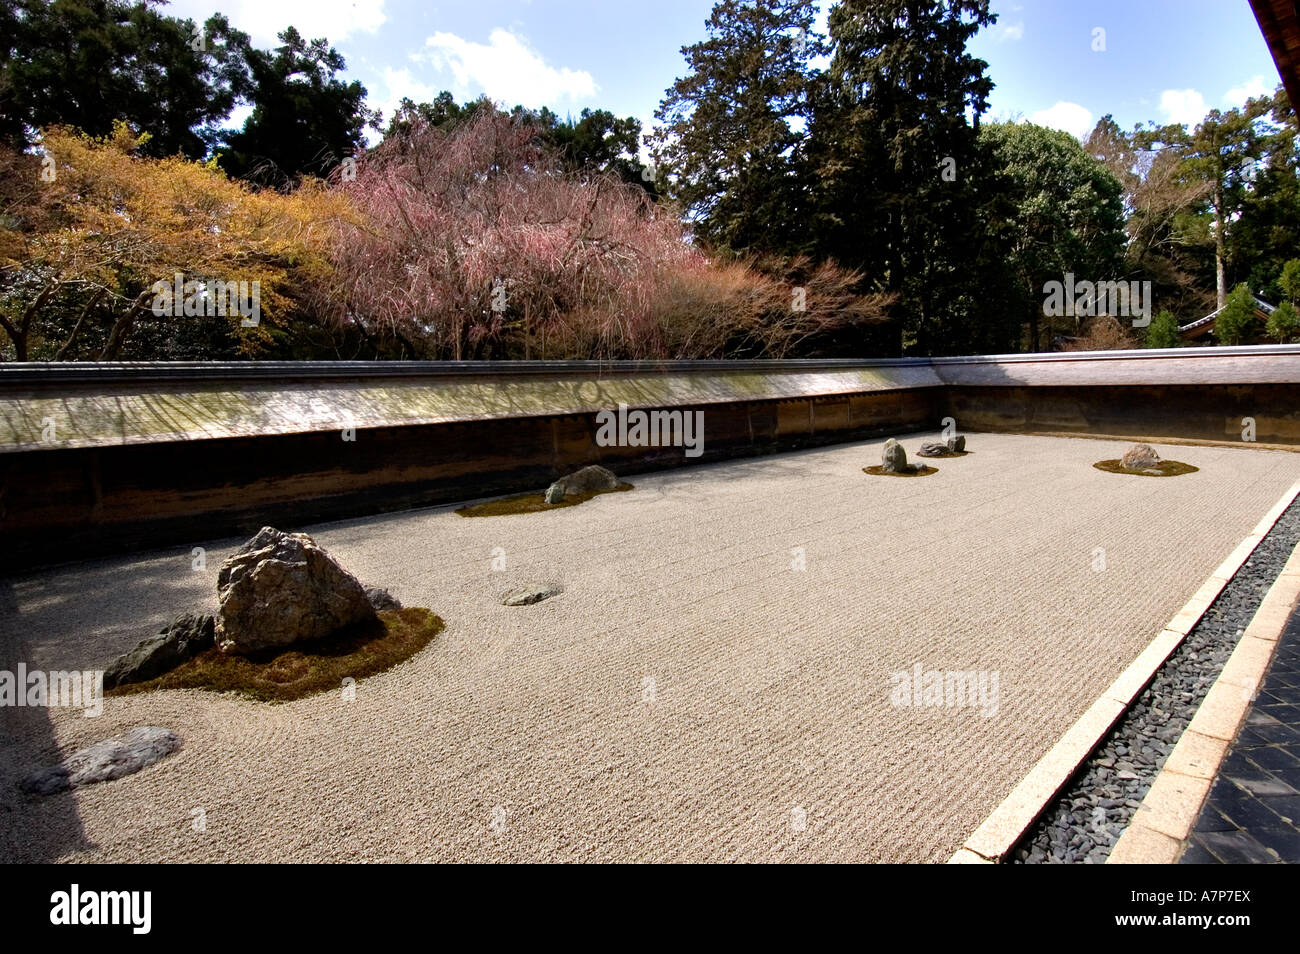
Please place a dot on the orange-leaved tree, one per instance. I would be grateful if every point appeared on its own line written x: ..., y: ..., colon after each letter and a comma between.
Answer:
x: 97, y: 231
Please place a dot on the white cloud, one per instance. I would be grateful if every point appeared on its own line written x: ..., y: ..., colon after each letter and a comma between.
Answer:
x: 333, y: 19
x: 1071, y: 117
x: 1012, y: 31
x: 399, y: 84
x: 1251, y: 89
x: 1183, y: 106
x: 507, y: 69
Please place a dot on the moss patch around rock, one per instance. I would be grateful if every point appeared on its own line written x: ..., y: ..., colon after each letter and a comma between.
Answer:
x: 532, y: 503
x: 921, y: 470
x: 1166, y: 468
x: 281, y: 675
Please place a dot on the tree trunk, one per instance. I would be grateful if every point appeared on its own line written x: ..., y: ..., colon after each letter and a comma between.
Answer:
x: 122, y: 327
x: 18, y: 333
x: 81, y: 320
x: 19, y: 338
x: 1220, y: 273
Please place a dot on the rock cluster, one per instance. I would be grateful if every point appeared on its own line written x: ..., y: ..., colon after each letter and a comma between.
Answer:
x: 953, y: 445
x: 275, y: 590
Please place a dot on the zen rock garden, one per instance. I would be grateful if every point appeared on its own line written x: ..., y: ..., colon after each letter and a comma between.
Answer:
x: 290, y: 621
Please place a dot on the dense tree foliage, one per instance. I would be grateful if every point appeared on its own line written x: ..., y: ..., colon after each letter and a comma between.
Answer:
x: 731, y: 129
x: 1163, y: 332
x: 1063, y: 212
x: 829, y: 195
x: 305, y: 120
x: 1237, y: 322
x: 478, y: 239
x: 92, y: 239
x: 86, y: 63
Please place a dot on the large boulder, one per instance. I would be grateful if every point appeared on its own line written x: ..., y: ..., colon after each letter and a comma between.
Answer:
x: 182, y: 639
x: 894, y: 458
x: 104, y: 761
x: 582, y: 481
x: 281, y: 588
x: 1140, y: 457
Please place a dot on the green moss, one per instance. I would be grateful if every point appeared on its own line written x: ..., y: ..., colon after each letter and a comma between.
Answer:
x: 532, y: 503
x: 921, y: 470
x: 1166, y: 468
x: 281, y: 675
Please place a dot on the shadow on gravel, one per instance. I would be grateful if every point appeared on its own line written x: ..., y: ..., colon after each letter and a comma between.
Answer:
x: 31, y: 830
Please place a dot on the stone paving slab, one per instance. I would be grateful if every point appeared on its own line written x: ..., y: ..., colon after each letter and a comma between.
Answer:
x: 1252, y: 813
x: 693, y: 695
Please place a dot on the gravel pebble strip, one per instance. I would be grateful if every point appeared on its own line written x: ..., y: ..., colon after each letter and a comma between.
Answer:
x: 1086, y: 820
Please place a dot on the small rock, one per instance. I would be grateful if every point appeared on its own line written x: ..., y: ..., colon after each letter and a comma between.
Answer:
x: 1140, y: 457
x: 933, y: 449
x: 381, y: 599
x: 182, y: 639
x: 957, y: 445
x: 531, y: 593
x: 104, y: 761
x: 553, y: 494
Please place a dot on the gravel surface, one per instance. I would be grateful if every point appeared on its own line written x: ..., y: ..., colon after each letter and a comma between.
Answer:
x: 716, y: 682
x: 1084, y: 823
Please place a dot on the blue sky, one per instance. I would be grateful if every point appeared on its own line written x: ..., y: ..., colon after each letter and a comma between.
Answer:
x: 1164, y: 60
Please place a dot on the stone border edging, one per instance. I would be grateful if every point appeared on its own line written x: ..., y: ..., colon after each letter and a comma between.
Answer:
x: 1165, y: 818
x: 999, y: 833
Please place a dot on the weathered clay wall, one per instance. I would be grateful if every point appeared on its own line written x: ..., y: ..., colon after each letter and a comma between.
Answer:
x: 68, y: 504
x: 1207, y: 412
x: 104, y: 459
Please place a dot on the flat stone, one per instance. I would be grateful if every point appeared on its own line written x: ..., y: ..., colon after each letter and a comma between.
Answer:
x: 531, y: 593
x: 1140, y: 845
x: 125, y: 754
